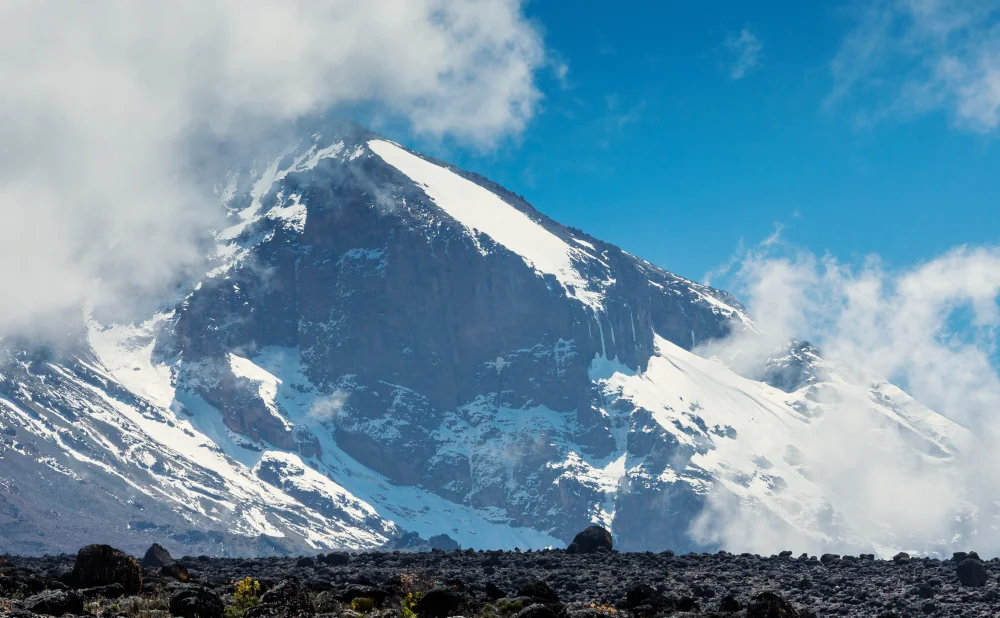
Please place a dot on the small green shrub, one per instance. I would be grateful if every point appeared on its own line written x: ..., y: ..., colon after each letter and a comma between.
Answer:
x: 363, y: 605
x: 245, y: 596
x: 488, y: 611
x: 507, y: 607
x: 410, y: 604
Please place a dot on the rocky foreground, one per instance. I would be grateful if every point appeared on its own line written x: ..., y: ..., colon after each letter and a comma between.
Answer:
x: 587, y: 580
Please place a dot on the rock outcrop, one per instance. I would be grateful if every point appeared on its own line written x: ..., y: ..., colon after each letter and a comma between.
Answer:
x: 103, y: 565
x: 593, y: 539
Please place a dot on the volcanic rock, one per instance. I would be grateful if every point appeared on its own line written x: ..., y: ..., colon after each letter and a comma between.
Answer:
x: 971, y: 572
x: 175, y: 570
x: 156, y: 557
x: 537, y: 610
x: 112, y: 591
x: 538, y: 591
x: 592, y: 539
x: 643, y: 600
x: 55, y: 603
x: 289, y: 595
x: 729, y: 603
x: 196, y: 602
x: 770, y: 605
x: 442, y: 602
x: 337, y: 558
x: 102, y: 565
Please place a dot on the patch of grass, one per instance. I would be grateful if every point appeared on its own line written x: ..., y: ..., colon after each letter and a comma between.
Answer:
x: 488, y: 611
x: 151, y: 606
x: 246, y: 594
x: 363, y: 605
x: 506, y: 607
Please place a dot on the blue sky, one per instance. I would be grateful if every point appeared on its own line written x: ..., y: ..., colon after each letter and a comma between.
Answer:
x: 680, y: 129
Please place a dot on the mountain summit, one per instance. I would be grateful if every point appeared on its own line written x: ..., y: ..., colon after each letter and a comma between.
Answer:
x: 387, y: 344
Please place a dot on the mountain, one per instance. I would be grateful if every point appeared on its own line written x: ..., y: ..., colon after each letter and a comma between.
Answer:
x: 389, y: 345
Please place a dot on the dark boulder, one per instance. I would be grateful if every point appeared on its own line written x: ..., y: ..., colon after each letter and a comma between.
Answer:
x: 112, y: 591
x: 971, y: 572
x: 24, y: 582
x: 493, y: 592
x: 729, y: 603
x: 156, y: 557
x: 770, y: 605
x: 687, y: 604
x: 175, y: 570
x: 443, y: 542
x: 591, y: 540
x: 289, y: 595
x: 901, y: 558
x: 638, y: 593
x: 337, y: 558
x: 441, y: 603
x: 196, y: 602
x: 103, y: 565
x: 643, y: 600
x: 538, y: 591
x: 361, y: 591
x: 327, y: 603
x: 55, y: 603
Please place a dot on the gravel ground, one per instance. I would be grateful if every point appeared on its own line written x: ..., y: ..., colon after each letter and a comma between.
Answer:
x: 540, y: 584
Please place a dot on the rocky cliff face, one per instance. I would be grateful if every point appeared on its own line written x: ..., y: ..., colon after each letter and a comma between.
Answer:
x: 391, y: 344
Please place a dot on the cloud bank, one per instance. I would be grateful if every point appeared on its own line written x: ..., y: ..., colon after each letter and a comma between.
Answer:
x: 105, y: 106
x: 932, y: 330
x: 919, y: 56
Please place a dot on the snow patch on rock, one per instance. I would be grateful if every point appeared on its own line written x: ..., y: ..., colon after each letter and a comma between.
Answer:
x: 479, y: 210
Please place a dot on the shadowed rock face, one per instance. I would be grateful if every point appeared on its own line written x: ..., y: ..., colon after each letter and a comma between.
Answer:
x: 156, y: 556
x: 429, y: 353
x: 425, y: 328
x: 103, y: 565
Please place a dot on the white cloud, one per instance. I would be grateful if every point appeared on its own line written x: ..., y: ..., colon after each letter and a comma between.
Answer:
x: 931, y: 329
x: 105, y: 104
x: 329, y: 407
x: 560, y: 70
x: 738, y: 256
x: 917, y: 56
x: 746, y: 50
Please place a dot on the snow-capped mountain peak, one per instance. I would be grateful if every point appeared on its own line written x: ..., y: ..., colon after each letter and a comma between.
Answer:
x: 388, y: 344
